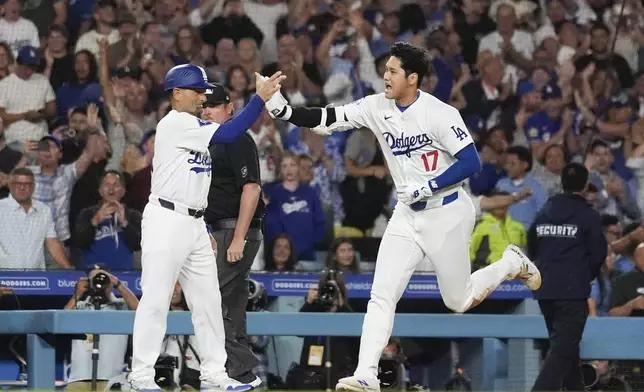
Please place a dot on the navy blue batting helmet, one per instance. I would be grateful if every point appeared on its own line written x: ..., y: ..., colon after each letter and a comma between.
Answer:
x: 186, y: 76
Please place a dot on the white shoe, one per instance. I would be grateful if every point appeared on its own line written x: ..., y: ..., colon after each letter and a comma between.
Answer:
x: 358, y: 384
x: 140, y: 386
x: 256, y: 382
x: 527, y: 272
x: 226, y: 384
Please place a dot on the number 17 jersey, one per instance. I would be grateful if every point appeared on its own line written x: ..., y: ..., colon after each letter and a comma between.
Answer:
x: 419, y: 141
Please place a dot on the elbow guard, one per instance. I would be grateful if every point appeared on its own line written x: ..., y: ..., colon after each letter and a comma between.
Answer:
x: 328, y: 124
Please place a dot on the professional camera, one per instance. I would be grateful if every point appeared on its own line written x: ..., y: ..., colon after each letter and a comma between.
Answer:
x: 164, y: 371
x: 328, y: 290
x: 391, y: 372
x: 257, y: 298
x: 603, y: 377
x: 98, y: 283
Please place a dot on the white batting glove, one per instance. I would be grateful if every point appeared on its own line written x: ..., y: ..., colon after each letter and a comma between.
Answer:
x: 415, y: 194
x: 276, y: 104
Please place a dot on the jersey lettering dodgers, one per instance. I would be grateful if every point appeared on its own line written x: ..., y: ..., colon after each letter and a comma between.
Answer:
x: 420, y: 143
x: 181, y: 164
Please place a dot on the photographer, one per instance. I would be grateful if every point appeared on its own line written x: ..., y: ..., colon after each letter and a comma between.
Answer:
x: 330, y: 296
x: 183, y: 348
x: 258, y: 302
x: 95, y: 290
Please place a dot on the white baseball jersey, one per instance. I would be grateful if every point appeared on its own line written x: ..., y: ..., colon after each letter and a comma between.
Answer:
x: 419, y: 142
x: 181, y: 165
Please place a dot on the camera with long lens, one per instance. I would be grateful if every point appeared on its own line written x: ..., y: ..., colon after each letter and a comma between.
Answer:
x: 257, y: 297
x: 97, y: 285
x: 328, y: 290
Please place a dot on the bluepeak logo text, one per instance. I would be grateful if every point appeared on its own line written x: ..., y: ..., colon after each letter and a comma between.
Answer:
x: 201, y: 162
x: 404, y: 145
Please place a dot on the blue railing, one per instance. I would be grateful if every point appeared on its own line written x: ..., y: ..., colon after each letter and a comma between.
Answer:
x: 276, y: 284
x: 604, y: 338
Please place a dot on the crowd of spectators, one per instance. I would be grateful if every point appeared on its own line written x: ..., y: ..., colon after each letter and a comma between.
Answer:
x: 539, y: 84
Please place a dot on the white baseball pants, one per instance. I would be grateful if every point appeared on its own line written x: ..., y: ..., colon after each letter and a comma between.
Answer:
x: 440, y: 235
x: 176, y: 246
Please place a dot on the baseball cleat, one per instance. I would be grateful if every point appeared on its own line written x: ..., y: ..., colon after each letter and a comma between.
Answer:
x: 256, y: 382
x: 141, y: 386
x: 528, y: 272
x: 358, y: 384
x: 225, y: 384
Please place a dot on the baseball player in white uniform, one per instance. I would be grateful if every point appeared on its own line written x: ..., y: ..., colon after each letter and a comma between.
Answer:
x: 429, y: 153
x: 175, y: 242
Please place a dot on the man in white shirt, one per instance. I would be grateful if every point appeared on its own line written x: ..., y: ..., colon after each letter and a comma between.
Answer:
x: 104, y: 16
x: 24, y: 113
x: 516, y: 46
x: 16, y: 30
x: 55, y: 182
x: 27, y: 227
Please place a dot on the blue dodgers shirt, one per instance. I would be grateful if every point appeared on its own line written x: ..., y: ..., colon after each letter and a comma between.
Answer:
x: 298, y: 214
x: 540, y: 127
x: 526, y: 210
x: 109, y: 247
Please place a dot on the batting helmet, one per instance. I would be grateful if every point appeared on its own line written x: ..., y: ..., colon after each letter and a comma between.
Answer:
x: 186, y: 76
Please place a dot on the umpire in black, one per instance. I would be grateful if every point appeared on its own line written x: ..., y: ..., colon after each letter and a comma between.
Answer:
x: 234, y: 216
x: 567, y: 244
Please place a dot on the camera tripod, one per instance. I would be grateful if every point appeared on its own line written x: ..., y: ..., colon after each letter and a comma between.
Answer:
x: 97, y: 301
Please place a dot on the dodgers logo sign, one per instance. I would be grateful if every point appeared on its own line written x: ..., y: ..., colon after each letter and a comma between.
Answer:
x: 200, y: 162
x: 405, y: 145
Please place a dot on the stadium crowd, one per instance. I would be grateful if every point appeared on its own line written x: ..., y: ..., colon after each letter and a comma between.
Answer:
x: 539, y: 84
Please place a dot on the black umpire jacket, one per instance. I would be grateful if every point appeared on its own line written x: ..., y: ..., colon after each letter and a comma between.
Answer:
x: 567, y: 243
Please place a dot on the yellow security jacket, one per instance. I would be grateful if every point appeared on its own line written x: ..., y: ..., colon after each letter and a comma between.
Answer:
x: 491, y: 236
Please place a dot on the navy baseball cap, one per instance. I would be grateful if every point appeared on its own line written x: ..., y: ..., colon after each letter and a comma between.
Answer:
x: 93, y: 93
x: 540, y: 126
x: 476, y: 124
x: 574, y: 177
x: 619, y: 101
x: 28, y: 55
x: 127, y: 72
x: 45, y: 146
x: 217, y: 95
x: 551, y: 91
x: 525, y: 86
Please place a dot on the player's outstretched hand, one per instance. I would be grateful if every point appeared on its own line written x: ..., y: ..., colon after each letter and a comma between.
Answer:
x: 265, y: 88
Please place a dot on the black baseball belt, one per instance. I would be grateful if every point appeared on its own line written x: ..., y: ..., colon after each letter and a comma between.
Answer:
x: 191, y: 211
x: 255, y: 228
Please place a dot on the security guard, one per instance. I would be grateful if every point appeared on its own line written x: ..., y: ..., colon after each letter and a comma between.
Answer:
x: 234, y: 215
x: 567, y: 244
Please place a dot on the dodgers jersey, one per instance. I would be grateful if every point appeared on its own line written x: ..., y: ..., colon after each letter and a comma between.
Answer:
x: 181, y: 164
x: 419, y: 143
